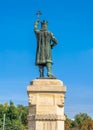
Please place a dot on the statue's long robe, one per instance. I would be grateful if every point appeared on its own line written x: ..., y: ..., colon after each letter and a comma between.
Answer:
x: 45, y: 40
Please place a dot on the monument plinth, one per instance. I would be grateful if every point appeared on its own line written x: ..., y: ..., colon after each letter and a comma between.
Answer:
x: 46, y: 104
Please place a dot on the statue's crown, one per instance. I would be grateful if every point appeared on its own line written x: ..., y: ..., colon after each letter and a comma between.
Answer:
x: 44, y: 22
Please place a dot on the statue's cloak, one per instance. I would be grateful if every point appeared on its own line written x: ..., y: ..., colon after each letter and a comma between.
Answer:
x: 45, y: 40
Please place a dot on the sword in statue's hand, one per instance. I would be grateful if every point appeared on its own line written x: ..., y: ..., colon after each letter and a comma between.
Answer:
x: 38, y: 15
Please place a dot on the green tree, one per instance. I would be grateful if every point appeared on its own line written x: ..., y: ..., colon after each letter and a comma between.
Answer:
x: 23, y: 110
x: 3, y: 110
x: 16, y: 116
x: 12, y: 112
x: 79, y: 120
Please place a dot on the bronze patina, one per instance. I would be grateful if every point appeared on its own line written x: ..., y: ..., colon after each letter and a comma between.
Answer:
x: 45, y: 42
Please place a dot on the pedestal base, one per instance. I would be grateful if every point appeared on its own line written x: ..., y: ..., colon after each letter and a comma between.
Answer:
x: 46, y: 104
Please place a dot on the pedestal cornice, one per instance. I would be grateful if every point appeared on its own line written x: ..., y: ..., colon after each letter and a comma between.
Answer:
x: 46, y: 85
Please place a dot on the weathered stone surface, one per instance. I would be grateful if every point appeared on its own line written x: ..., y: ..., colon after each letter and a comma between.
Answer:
x: 46, y: 104
x: 51, y: 117
x: 50, y: 85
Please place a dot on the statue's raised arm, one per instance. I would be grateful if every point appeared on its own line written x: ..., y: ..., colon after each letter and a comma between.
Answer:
x: 36, y: 25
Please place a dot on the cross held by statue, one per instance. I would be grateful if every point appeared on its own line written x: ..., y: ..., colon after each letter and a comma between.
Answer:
x: 38, y: 14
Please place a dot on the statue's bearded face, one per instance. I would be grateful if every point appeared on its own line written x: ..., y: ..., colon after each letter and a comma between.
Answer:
x: 44, y: 27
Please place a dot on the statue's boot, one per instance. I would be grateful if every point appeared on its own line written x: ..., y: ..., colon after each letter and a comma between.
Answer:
x: 49, y: 71
x: 41, y: 70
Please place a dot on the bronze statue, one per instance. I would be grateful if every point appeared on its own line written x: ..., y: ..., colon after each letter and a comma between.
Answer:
x: 45, y: 42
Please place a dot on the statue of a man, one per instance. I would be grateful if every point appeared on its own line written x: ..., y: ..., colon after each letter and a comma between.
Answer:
x: 45, y: 42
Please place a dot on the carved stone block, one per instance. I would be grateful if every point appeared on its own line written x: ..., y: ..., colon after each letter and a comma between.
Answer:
x: 46, y: 104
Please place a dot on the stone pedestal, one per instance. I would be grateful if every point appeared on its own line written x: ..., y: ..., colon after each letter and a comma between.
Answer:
x: 46, y: 104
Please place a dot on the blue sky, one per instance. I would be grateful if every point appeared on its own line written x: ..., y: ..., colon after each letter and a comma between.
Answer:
x: 71, y: 21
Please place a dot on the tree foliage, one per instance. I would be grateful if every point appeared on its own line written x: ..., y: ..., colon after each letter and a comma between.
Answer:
x: 68, y: 124
x: 81, y: 122
x: 87, y: 125
x: 15, y: 116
